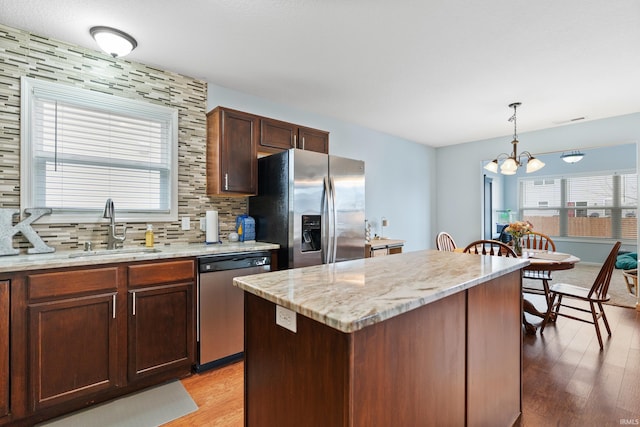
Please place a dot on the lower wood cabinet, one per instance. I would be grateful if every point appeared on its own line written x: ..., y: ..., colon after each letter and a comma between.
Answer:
x: 4, y: 348
x: 73, y: 348
x: 72, y: 330
x: 161, y: 329
x: 85, y: 335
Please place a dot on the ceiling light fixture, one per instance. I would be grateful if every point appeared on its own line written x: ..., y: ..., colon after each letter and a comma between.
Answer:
x: 511, y: 162
x: 572, y: 157
x: 112, y: 41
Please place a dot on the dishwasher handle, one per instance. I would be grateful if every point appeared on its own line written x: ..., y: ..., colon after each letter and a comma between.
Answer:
x: 232, y: 262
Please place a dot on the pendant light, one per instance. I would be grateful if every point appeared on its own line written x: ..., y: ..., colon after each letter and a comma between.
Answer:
x: 512, y: 162
x: 113, y: 41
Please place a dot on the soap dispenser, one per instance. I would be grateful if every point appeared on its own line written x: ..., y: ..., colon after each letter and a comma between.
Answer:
x: 148, y: 236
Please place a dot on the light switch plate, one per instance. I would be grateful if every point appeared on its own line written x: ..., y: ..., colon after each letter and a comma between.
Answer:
x: 186, y: 223
x: 286, y: 318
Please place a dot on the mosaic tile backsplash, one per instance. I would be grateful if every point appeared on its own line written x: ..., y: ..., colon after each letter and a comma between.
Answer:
x: 27, y: 54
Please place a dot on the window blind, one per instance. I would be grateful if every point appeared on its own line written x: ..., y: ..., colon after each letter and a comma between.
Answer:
x: 87, y: 147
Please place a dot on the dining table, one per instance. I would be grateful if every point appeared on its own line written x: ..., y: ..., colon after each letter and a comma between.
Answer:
x: 541, y: 260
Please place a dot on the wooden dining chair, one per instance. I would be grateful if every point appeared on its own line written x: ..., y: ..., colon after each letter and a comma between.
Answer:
x: 444, y: 242
x: 538, y: 241
x: 490, y: 247
x: 631, y: 279
x: 594, y: 296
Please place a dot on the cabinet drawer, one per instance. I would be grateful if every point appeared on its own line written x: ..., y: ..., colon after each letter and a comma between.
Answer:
x: 162, y: 272
x: 65, y: 283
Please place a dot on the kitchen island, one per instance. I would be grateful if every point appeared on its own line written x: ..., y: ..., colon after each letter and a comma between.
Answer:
x: 421, y: 338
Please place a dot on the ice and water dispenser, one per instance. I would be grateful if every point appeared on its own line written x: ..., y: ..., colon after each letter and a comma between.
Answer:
x: 311, y: 233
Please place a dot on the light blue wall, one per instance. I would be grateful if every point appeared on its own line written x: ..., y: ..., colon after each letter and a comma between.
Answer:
x: 459, y: 172
x: 400, y: 174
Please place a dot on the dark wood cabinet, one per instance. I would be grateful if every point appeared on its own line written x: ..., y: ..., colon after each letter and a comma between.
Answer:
x: 313, y: 140
x: 236, y: 139
x: 161, y: 318
x: 4, y: 348
x: 232, y: 163
x: 277, y: 136
x: 84, y: 335
x: 73, y: 325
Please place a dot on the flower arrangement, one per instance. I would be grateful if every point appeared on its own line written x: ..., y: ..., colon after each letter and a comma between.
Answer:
x: 519, y: 228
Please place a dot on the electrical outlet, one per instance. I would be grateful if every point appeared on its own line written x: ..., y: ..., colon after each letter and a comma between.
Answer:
x: 186, y: 223
x: 286, y: 318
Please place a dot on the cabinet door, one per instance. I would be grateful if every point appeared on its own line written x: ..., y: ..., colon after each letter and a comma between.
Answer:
x: 238, y: 158
x: 276, y: 136
x: 4, y: 348
x: 313, y: 140
x: 161, y: 337
x: 73, y: 351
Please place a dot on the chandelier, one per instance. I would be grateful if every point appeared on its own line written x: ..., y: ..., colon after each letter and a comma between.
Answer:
x: 511, y: 162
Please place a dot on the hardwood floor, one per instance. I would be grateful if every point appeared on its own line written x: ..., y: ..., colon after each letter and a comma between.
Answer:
x: 567, y: 380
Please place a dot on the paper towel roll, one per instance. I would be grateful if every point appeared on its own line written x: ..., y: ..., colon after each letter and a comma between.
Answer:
x: 211, y: 227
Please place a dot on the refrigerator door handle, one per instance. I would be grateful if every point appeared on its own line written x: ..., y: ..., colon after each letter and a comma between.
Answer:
x: 334, y: 249
x: 326, y: 222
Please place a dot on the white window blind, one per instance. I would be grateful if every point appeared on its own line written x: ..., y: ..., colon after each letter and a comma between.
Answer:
x: 83, y: 147
x: 599, y: 205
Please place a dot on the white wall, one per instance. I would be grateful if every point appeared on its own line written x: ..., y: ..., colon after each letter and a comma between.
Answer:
x: 400, y: 174
x: 459, y: 167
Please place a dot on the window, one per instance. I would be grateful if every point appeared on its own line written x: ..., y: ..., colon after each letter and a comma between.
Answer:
x: 80, y: 148
x: 600, y: 205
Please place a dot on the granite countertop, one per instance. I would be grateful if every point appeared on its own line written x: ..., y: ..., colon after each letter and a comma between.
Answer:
x: 15, y: 263
x: 351, y: 295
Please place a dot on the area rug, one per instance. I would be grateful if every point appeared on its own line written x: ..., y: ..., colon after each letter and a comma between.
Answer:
x: 148, y: 408
x: 583, y: 274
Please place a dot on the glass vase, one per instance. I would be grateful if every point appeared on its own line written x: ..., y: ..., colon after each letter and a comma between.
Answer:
x: 517, y: 246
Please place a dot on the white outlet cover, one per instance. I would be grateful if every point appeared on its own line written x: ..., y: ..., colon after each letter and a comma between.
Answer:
x: 186, y: 223
x: 286, y: 318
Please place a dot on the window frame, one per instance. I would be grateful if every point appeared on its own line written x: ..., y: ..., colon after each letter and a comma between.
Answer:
x: 108, y: 103
x: 563, y: 209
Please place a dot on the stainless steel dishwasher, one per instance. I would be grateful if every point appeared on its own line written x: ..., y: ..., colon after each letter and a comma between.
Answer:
x: 221, y: 305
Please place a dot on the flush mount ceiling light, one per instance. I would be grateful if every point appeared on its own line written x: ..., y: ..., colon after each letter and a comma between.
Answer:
x: 572, y: 157
x: 511, y: 162
x: 112, y: 41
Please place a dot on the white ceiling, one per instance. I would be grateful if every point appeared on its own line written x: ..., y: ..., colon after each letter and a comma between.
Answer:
x: 438, y: 72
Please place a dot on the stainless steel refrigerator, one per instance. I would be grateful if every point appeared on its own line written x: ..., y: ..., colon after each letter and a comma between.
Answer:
x: 312, y: 205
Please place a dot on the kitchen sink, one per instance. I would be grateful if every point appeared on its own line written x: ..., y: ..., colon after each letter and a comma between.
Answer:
x: 107, y: 252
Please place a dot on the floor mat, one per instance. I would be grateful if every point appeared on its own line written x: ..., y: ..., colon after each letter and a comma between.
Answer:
x: 148, y: 408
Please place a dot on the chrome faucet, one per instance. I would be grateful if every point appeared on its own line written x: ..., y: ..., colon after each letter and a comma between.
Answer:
x: 113, y: 240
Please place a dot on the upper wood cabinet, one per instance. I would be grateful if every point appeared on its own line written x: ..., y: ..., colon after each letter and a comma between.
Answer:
x: 236, y: 139
x: 276, y: 136
x: 232, y: 162
x: 313, y: 140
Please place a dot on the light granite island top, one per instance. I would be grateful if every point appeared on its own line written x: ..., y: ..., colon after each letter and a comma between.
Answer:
x: 351, y: 295
x: 420, y: 338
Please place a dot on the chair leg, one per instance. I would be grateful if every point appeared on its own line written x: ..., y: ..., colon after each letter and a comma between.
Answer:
x: 549, y: 310
x: 604, y: 317
x: 595, y: 323
x: 545, y: 286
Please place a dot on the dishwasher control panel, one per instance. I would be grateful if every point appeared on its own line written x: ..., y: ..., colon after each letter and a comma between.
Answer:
x: 224, y: 262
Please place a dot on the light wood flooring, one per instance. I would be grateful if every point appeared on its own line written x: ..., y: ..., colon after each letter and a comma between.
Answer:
x: 567, y: 380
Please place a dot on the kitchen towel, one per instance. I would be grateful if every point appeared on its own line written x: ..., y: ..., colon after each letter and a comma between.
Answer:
x: 211, y: 227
